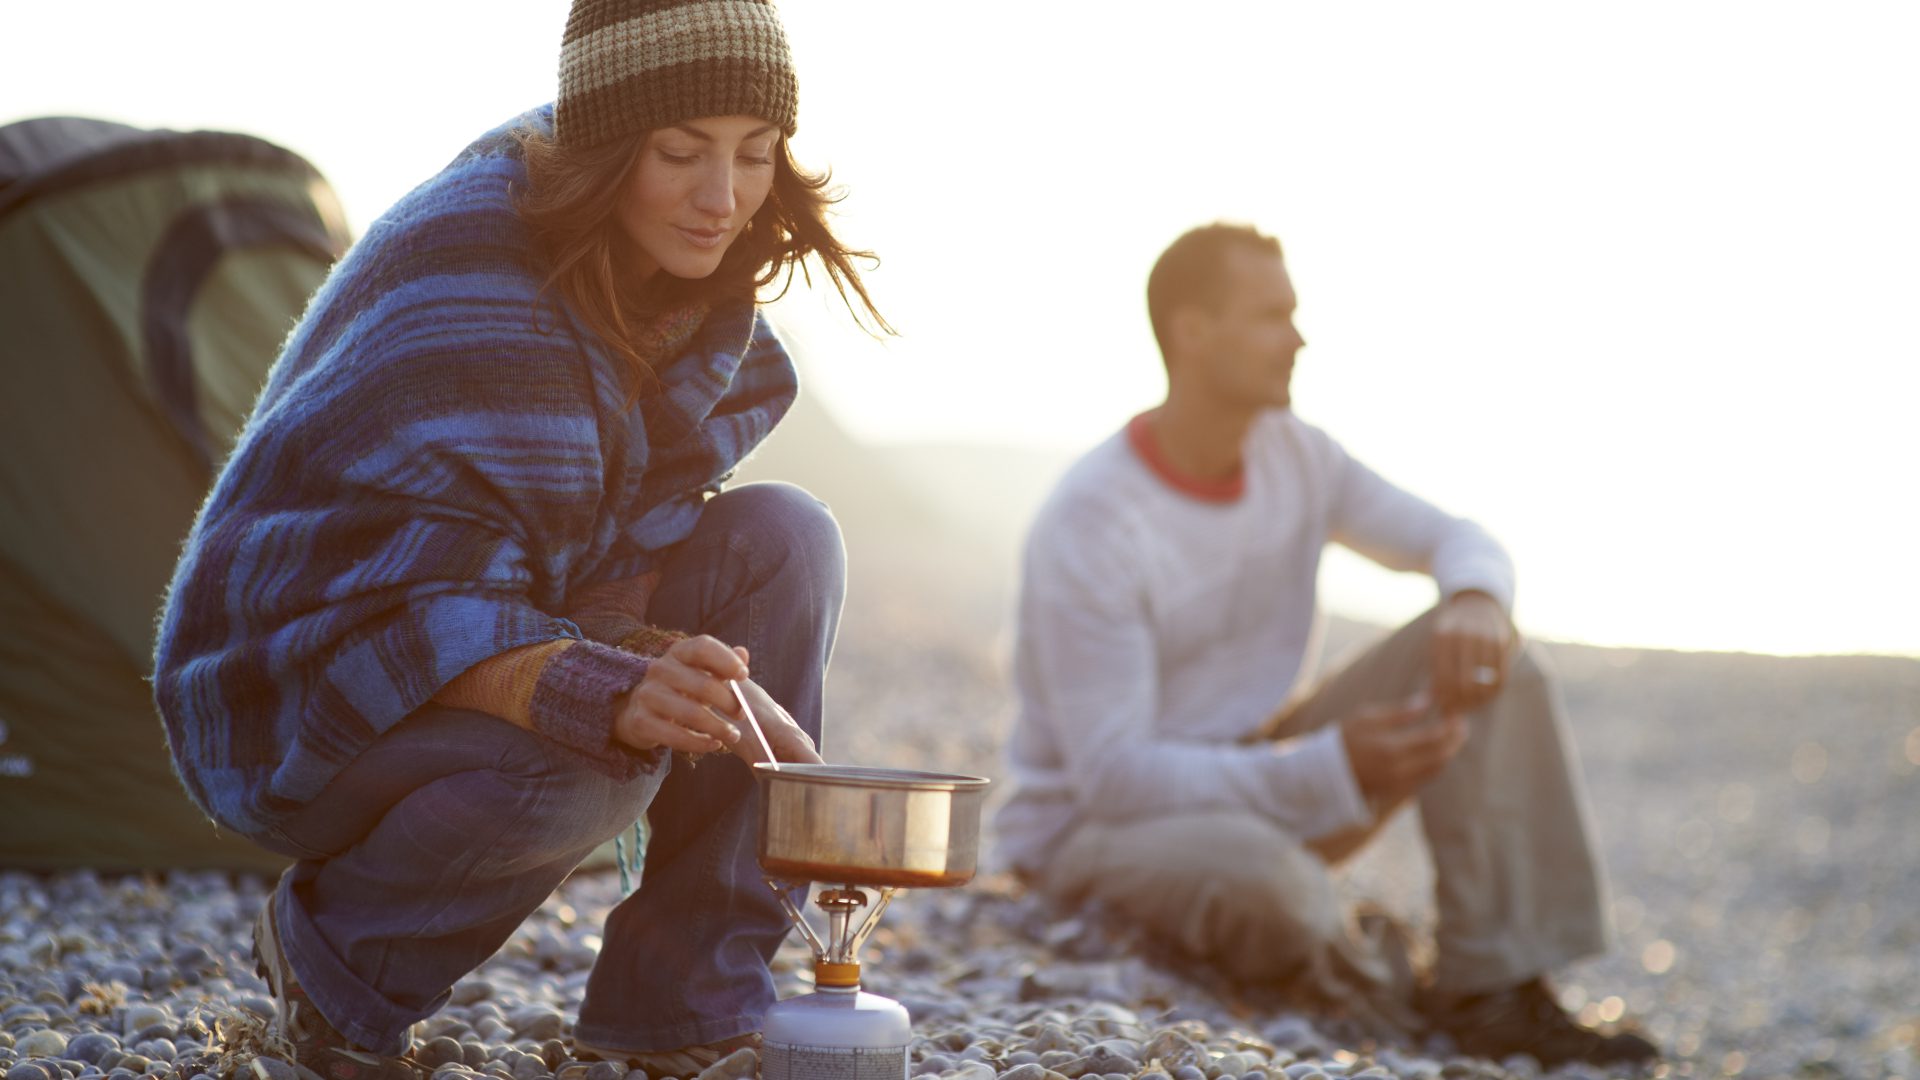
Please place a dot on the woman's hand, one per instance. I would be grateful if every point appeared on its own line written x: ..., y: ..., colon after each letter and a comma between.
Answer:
x: 684, y: 703
x: 788, y: 741
x: 1473, y: 641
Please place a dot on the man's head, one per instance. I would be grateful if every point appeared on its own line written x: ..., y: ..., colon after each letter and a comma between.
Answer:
x: 1222, y: 310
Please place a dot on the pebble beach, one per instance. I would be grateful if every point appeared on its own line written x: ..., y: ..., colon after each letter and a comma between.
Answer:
x: 1758, y: 817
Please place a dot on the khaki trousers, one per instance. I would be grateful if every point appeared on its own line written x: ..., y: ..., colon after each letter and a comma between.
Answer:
x: 1517, y: 888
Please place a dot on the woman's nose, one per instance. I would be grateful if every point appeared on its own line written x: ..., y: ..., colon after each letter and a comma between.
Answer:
x: 714, y: 196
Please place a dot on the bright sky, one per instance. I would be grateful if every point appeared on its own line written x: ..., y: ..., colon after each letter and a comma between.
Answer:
x: 1633, y: 284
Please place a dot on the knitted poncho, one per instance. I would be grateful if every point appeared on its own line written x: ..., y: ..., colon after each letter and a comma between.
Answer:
x: 438, y: 461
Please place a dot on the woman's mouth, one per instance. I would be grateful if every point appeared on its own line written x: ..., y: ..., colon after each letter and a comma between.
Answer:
x: 702, y: 238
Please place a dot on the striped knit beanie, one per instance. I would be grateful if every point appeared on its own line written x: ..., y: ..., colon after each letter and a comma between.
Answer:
x: 628, y: 66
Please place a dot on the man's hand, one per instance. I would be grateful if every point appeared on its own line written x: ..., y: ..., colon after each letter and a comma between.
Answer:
x: 684, y: 703
x: 1394, y: 749
x: 1473, y: 642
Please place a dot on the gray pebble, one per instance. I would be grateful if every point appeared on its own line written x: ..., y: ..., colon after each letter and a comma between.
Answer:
x: 970, y: 1070
x: 1023, y: 1057
x: 32, y: 1070
x: 934, y: 1063
x: 537, y: 1022
x: 1189, y: 1072
x: 1053, y: 1059
x: 89, y: 1046
x: 470, y: 991
x: 529, y: 1067
x: 608, y: 1070
x: 440, y: 1051
x: 744, y: 1063
x: 1027, y: 1071
x: 1153, y: 1074
x: 269, y: 1068
x: 473, y: 1052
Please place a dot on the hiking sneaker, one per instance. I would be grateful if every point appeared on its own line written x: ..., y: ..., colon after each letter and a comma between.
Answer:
x: 1527, y: 1019
x: 317, y: 1048
x: 683, y: 1064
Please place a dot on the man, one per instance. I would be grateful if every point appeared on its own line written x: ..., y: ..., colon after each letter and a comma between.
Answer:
x: 1165, y: 761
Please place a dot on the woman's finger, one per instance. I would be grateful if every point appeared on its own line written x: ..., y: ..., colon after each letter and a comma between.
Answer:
x: 663, y: 703
x: 693, y: 683
x: 710, y: 655
x: 652, y: 731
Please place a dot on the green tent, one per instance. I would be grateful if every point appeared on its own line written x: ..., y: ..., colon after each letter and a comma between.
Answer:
x: 147, y: 279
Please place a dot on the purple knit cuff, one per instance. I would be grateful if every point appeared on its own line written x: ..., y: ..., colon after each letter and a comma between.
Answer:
x: 573, y: 704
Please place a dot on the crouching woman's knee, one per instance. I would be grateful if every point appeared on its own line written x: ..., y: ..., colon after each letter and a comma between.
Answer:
x: 794, y: 533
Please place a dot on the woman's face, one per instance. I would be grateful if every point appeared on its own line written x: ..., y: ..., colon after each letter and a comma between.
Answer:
x: 693, y: 189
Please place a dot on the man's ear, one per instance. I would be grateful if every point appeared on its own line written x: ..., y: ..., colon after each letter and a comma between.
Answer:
x: 1189, y: 331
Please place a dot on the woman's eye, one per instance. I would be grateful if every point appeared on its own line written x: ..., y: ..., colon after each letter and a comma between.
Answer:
x: 752, y: 160
x: 677, y: 159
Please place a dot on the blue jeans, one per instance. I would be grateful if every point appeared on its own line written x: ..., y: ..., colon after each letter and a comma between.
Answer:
x: 427, y: 852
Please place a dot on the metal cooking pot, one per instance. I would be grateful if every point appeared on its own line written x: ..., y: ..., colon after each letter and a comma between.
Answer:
x: 856, y: 825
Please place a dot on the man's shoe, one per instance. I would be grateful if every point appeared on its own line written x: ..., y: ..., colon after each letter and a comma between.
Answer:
x: 1528, y: 1020
x: 686, y: 1062
x: 317, y: 1047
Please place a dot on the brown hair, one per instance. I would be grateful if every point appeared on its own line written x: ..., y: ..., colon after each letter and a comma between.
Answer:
x: 568, y: 206
x: 1192, y: 271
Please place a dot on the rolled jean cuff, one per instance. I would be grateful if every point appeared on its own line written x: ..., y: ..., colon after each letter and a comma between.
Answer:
x: 370, y: 1020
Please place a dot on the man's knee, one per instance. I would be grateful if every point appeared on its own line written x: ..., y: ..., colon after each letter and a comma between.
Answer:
x: 1237, y: 890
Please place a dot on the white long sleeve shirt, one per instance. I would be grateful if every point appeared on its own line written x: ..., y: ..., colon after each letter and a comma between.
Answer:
x: 1158, y: 629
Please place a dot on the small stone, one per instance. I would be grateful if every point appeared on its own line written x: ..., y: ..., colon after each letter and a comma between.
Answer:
x: 158, y: 1049
x: 135, y: 1063
x: 32, y: 1070
x: 441, y: 1051
x: 1051, y: 1037
x: 1022, y: 1057
x: 739, y: 1065
x: 576, y: 1071
x: 608, y: 1070
x: 1054, y: 1059
x: 528, y: 1067
x: 1030, y: 1071
x: 88, y: 1047
x: 140, y: 1017
x: 473, y: 1053
x: 974, y: 1070
x: 934, y: 1063
x: 554, y: 1053
x: 270, y: 1068
x: 470, y: 991
x: 41, y: 1044
x: 1189, y: 1072
x: 537, y: 1022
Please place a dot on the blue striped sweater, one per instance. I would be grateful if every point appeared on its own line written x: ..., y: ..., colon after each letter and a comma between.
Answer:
x: 433, y: 467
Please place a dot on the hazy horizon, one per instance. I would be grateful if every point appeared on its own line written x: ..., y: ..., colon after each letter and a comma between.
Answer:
x: 1630, y: 286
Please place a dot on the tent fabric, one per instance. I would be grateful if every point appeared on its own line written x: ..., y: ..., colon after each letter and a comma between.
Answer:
x: 147, y: 279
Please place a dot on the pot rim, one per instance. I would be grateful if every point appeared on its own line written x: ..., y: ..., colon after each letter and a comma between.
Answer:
x: 868, y: 776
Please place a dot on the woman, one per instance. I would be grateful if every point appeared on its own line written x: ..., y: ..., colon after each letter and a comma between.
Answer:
x: 468, y: 578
